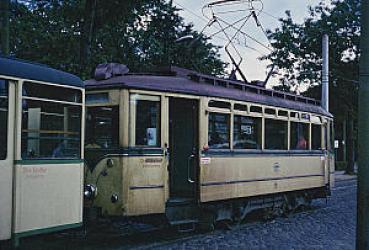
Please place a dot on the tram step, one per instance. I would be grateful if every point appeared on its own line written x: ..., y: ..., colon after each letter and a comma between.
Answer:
x: 183, y: 222
x: 182, y: 212
x: 186, y: 226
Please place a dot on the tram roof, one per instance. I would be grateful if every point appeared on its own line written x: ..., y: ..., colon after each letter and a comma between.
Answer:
x: 195, y: 86
x: 33, y: 71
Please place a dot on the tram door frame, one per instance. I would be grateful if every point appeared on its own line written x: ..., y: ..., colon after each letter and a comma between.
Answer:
x: 6, y: 168
x: 191, y: 175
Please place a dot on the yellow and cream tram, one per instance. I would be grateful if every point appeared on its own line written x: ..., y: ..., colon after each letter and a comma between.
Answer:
x: 41, y: 156
x: 197, y: 148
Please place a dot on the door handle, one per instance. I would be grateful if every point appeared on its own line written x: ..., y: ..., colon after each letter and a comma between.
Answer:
x: 189, y: 179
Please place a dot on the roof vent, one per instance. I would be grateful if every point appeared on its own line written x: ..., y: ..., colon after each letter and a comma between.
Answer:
x: 108, y: 70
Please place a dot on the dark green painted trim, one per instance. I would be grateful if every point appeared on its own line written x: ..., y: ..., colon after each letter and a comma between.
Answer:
x: 47, y: 230
x: 47, y: 162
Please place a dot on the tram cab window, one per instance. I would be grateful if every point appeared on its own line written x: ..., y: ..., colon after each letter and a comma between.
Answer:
x: 50, y: 128
x: 3, y: 119
x: 146, y: 116
x: 219, y: 131
x: 316, y: 137
x: 247, y: 132
x: 275, y: 134
x: 102, y: 127
x: 299, y: 136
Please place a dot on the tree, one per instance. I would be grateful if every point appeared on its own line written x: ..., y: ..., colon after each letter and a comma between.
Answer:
x: 141, y: 34
x: 297, y: 54
x: 4, y: 26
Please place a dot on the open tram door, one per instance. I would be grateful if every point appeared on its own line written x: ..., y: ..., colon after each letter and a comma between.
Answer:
x: 183, y: 150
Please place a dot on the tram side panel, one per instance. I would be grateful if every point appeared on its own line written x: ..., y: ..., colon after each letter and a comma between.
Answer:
x: 46, y: 197
x: 224, y: 178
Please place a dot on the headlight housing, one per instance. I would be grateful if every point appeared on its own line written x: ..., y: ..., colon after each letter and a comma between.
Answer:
x: 90, y: 191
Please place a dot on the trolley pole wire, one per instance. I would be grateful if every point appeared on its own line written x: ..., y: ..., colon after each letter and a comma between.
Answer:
x: 362, y: 233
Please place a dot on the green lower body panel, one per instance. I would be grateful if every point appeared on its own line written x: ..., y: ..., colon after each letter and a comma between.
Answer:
x: 17, y: 236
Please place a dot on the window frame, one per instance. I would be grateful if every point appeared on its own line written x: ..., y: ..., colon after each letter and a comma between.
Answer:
x: 308, y: 139
x: 79, y: 104
x: 287, y: 133
x: 133, y: 98
x: 232, y: 131
x: 321, y: 125
x: 230, y: 128
x: 118, y: 124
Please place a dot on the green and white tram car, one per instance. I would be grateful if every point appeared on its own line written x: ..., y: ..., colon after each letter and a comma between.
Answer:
x: 197, y: 148
x: 41, y: 156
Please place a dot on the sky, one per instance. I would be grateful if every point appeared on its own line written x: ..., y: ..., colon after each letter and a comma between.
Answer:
x: 253, y: 68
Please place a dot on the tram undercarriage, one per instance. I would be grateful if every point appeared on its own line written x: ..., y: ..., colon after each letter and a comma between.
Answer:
x: 185, y: 215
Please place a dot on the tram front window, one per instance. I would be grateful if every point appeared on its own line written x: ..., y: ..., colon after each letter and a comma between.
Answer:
x: 3, y: 119
x: 51, y: 128
x: 102, y: 127
x: 145, y: 120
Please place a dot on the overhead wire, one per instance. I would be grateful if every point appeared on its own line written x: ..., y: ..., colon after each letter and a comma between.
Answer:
x: 238, y: 30
x: 253, y: 13
x: 215, y: 35
x: 247, y: 35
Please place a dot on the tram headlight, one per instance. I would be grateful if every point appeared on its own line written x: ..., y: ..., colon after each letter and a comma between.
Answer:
x: 114, y: 198
x: 90, y: 191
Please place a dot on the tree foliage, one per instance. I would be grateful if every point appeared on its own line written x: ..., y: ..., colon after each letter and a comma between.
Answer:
x: 76, y: 35
x: 298, y: 53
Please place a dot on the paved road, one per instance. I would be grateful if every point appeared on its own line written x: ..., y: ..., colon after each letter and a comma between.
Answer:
x: 326, y: 226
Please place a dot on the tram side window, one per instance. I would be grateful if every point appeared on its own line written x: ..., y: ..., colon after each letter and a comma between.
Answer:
x: 316, y: 137
x: 102, y: 127
x: 3, y: 119
x: 50, y: 129
x: 147, y: 122
x: 219, y: 131
x: 247, y: 132
x: 275, y: 134
x: 299, y: 136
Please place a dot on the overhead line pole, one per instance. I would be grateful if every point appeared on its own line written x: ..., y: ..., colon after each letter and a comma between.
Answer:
x: 362, y: 233
x: 325, y: 73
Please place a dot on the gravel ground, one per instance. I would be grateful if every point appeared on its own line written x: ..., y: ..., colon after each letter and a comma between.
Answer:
x: 328, y: 225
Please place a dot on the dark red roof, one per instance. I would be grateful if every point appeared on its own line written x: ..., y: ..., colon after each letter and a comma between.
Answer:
x: 185, y: 85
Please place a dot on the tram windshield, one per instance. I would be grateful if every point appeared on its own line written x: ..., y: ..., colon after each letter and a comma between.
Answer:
x: 51, y: 122
x: 102, y: 127
x: 3, y: 118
